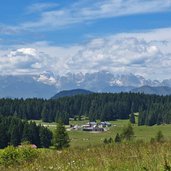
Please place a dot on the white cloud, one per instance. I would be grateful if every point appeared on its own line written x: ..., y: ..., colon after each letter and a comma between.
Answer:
x: 147, y: 54
x: 38, y: 7
x: 22, y: 61
x: 39, y: 57
x: 51, y: 16
x: 46, y: 79
x: 92, y: 10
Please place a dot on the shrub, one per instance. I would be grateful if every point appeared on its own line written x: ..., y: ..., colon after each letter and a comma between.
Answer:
x: 105, y: 141
x: 11, y: 155
x: 159, y: 137
x: 27, y: 153
x: 117, y: 138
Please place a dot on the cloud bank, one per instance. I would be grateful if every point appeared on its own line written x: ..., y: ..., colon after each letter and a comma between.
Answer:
x: 147, y: 54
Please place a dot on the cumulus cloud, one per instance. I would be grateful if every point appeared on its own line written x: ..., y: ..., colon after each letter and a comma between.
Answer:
x: 115, y: 54
x: 47, y: 78
x: 147, y: 54
x: 36, y: 59
x: 23, y: 61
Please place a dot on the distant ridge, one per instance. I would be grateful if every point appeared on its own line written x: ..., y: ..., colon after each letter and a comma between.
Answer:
x: 68, y: 93
x: 161, y: 90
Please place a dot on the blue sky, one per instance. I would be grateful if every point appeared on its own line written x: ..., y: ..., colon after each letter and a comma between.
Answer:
x: 77, y: 36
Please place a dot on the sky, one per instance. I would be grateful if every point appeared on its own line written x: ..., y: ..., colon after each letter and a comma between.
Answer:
x: 61, y: 36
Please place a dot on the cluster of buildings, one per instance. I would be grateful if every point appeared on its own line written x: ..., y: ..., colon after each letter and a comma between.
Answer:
x: 92, y: 126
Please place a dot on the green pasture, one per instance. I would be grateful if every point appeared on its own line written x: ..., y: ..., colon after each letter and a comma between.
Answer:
x: 82, y: 139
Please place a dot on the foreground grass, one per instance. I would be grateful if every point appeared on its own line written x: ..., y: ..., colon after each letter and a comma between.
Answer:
x: 135, y: 156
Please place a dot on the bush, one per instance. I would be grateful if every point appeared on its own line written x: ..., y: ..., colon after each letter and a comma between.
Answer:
x: 27, y: 153
x: 108, y: 141
x: 11, y: 155
x: 159, y: 137
x: 105, y: 141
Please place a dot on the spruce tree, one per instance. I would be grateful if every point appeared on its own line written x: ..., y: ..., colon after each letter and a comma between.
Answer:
x: 15, y: 138
x: 3, y: 136
x: 45, y: 137
x: 44, y: 114
x: 26, y: 136
x: 159, y: 137
x: 117, y: 138
x: 110, y: 140
x: 132, y: 118
x: 127, y: 133
x: 105, y: 141
x: 61, y: 138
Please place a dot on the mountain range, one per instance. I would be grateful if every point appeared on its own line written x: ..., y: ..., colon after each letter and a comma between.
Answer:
x: 46, y: 85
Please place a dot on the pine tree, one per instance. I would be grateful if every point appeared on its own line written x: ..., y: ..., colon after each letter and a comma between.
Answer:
x: 128, y: 133
x: 15, y: 138
x: 45, y: 137
x: 44, y: 114
x: 15, y: 131
x: 110, y: 140
x: 61, y: 138
x: 26, y: 133
x: 34, y: 131
x: 105, y: 141
x: 159, y: 137
x: 117, y: 138
x: 132, y: 118
x: 3, y: 136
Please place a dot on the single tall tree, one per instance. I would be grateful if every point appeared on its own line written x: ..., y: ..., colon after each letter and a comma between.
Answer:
x: 61, y: 138
x: 127, y: 133
x: 117, y: 138
x: 45, y: 137
x: 132, y: 118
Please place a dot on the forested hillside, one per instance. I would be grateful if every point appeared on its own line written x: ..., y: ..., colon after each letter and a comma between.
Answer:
x: 68, y: 93
x: 106, y: 106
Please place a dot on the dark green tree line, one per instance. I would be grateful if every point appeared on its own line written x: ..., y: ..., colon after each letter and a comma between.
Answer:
x: 13, y: 131
x: 152, y: 109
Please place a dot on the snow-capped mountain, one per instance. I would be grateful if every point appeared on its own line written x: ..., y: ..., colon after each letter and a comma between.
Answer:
x: 103, y: 81
x: 47, y: 84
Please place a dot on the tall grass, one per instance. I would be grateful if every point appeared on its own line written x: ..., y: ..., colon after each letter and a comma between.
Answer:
x: 133, y: 156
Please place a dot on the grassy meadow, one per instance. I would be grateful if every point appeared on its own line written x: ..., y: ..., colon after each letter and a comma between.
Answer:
x: 134, y: 156
x: 84, y: 139
x: 88, y: 152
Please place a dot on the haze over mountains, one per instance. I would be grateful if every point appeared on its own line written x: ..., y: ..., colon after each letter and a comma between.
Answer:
x: 47, y: 84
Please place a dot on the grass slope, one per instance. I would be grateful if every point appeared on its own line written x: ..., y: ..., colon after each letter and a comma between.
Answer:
x: 88, y: 153
x: 120, y: 157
